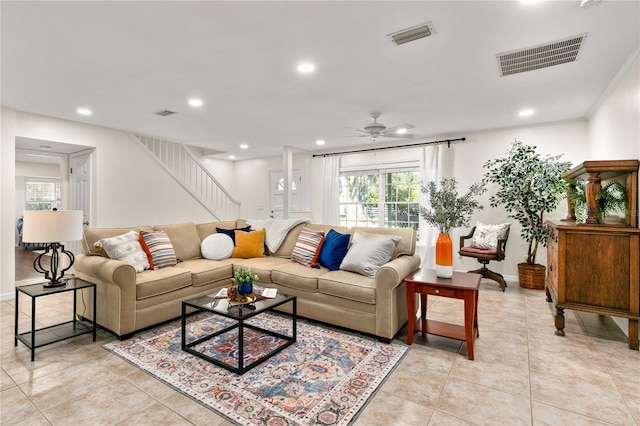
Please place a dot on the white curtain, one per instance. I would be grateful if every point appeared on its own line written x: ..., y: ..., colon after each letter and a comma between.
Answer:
x: 430, y: 169
x: 331, y: 190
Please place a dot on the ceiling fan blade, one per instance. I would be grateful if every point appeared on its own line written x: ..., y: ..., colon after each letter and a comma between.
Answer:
x: 394, y: 129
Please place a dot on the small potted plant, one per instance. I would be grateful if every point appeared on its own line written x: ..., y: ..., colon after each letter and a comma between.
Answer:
x: 611, y: 199
x: 244, y: 279
x: 529, y: 186
x: 446, y: 210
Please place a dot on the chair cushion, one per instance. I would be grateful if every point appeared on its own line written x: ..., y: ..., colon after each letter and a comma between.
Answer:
x: 487, y: 236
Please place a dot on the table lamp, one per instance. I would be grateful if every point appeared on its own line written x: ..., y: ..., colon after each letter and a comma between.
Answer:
x: 51, y: 228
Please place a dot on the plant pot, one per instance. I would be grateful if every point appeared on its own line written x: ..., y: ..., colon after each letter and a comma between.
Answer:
x: 531, y: 276
x: 444, y: 256
x: 245, y: 288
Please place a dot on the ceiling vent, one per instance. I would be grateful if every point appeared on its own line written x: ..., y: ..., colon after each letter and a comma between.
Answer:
x: 542, y: 56
x: 411, y: 34
x: 164, y: 113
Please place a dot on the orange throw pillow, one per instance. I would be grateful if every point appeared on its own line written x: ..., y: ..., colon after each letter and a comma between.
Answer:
x: 249, y: 244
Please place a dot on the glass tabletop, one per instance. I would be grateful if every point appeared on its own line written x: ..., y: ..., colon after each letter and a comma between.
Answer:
x: 236, y: 310
x: 38, y: 289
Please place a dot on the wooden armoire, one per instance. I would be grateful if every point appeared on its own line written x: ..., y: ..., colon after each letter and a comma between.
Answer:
x: 594, y: 266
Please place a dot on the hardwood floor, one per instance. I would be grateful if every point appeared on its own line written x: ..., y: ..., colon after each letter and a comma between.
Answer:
x: 24, y: 264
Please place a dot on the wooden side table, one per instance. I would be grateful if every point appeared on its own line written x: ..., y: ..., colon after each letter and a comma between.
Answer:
x: 462, y: 286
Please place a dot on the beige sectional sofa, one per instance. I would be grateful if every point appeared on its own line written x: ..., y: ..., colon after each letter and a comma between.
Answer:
x: 128, y: 301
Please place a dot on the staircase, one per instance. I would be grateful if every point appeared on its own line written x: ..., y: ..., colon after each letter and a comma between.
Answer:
x: 192, y: 175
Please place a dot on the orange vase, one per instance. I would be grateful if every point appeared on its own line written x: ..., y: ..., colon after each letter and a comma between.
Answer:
x: 444, y: 256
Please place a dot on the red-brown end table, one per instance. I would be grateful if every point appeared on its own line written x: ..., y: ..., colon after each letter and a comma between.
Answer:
x: 462, y: 286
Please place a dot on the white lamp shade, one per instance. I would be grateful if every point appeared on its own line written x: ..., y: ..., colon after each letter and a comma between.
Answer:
x: 51, y: 226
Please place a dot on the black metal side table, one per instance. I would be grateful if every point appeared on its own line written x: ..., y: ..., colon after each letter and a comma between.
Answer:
x: 44, y: 336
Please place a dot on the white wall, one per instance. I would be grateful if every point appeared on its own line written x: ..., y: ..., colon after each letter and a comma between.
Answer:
x: 615, y: 124
x: 129, y: 187
x: 7, y: 207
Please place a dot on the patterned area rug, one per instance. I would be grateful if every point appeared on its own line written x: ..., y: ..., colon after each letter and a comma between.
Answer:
x: 326, y: 377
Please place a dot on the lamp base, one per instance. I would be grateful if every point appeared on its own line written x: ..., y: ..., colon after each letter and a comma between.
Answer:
x: 50, y: 284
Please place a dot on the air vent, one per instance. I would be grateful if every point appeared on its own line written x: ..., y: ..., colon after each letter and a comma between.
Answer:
x: 543, y: 56
x: 411, y: 34
x: 164, y: 113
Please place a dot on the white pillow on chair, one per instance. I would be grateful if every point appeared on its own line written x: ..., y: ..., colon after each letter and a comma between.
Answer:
x: 486, y: 236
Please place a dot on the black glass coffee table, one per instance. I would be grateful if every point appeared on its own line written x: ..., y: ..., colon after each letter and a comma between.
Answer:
x: 238, y: 314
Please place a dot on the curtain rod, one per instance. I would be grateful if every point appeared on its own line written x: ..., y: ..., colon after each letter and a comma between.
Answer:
x: 447, y: 141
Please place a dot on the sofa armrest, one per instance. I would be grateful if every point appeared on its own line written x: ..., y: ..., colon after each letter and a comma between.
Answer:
x: 115, y: 282
x: 391, y: 302
x: 105, y: 269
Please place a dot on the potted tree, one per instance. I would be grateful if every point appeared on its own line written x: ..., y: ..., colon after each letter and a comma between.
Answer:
x: 530, y: 185
x: 446, y: 210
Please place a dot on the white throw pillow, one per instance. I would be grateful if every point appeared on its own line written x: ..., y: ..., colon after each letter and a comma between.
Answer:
x: 125, y: 247
x: 217, y: 247
x: 486, y: 236
x: 368, y: 252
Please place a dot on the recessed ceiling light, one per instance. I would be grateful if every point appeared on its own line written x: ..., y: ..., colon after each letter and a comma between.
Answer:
x: 526, y: 113
x: 232, y: 157
x: 401, y: 131
x: 244, y: 146
x: 194, y: 102
x: 306, y: 68
x: 320, y: 142
x: 83, y: 111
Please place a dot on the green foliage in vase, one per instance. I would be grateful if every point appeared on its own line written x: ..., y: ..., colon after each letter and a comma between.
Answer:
x: 244, y: 275
x: 529, y: 186
x: 445, y: 209
x: 612, y: 199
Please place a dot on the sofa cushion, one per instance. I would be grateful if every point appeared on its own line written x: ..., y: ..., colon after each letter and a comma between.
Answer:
x: 217, y: 247
x: 205, y: 271
x: 333, y: 250
x: 209, y: 228
x: 158, y: 248
x: 406, y: 245
x: 348, y: 285
x: 261, y: 266
x: 249, y: 244
x: 125, y: 247
x: 231, y: 233
x: 308, y: 248
x: 295, y: 275
x: 159, y: 281
x: 185, y: 239
x: 368, y: 252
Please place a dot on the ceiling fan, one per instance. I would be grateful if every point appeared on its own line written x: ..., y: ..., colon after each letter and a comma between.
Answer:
x: 376, y: 130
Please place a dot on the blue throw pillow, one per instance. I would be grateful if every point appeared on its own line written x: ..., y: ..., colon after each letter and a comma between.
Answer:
x: 333, y: 250
x: 232, y: 232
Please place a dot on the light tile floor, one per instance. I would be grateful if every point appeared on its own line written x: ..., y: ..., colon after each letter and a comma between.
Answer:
x: 523, y: 374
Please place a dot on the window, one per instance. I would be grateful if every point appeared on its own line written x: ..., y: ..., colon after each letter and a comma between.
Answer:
x: 42, y: 194
x: 386, y: 199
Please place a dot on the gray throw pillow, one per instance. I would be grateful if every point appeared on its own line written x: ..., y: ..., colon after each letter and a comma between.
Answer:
x: 368, y: 252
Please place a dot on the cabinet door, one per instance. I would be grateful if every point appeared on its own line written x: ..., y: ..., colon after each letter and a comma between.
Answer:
x: 552, y: 260
x: 597, y: 267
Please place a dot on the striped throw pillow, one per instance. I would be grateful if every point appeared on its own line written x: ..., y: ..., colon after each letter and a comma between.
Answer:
x: 308, y: 247
x: 158, y: 246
